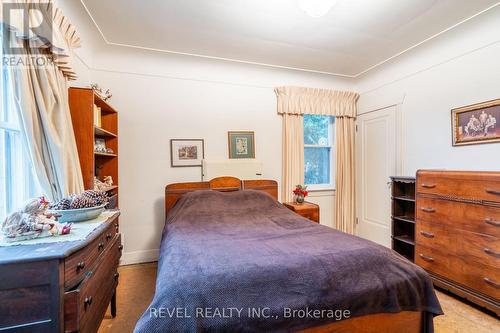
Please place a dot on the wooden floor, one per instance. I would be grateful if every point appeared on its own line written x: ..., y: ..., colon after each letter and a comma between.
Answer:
x: 137, y: 285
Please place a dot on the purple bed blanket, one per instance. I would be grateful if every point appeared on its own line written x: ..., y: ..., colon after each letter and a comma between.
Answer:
x: 241, y: 262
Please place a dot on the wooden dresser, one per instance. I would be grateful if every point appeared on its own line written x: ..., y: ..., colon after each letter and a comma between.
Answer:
x: 458, y: 233
x: 60, y: 287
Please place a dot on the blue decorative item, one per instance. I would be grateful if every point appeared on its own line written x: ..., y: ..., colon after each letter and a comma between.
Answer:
x: 78, y: 215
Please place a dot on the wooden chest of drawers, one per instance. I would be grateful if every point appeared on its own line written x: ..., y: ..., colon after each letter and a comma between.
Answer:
x: 60, y: 287
x: 458, y: 233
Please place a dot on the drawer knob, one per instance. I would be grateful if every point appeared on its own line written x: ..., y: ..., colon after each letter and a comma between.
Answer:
x: 426, y: 258
x: 108, y: 236
x: 120, y: 247
x: 100, y: 246
x: 490, y: 191
x: 427, y: 209
x: 492, y: 283
x: 87, y: 301
x: 491, y: 252
x: 492, y: 222
x: 80, y: 265
x: 424, y: 185
x: 427, y: 234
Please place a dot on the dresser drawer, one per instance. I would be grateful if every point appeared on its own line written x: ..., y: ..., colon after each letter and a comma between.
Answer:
x: 466, y: 216
x: 85, y: 305
x: 435, y: 236
x: 433, y: 260
x: 464, y: 244
x: 483, y: 279
x: 472, y: 274
x: 477, y: 186
x: 80, y: 262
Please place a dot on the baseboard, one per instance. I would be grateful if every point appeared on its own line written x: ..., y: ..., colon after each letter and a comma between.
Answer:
x: 138, y: 257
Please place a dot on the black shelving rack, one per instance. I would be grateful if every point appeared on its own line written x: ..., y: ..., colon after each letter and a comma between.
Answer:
x: 403, y: 216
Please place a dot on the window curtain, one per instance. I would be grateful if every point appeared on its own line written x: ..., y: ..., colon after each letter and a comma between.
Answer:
x: 297, y: 101
x: 345, y: 209
x: 293, y: 155
x: 39, y: 74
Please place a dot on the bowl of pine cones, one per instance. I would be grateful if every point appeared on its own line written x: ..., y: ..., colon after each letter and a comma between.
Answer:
x: 82, y: 207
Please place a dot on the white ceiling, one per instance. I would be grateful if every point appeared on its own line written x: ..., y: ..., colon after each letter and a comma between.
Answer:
x: 353, y: 37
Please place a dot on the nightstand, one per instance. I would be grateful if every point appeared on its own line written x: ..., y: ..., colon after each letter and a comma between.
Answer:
x: 306, y: 209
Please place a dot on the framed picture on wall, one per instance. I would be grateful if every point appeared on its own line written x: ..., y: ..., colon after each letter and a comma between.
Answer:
x: 186, y: 152
x: 477, y: 123
x: 241, y: 144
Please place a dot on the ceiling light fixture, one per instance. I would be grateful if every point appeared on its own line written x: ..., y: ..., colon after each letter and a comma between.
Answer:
x: 316, y: 8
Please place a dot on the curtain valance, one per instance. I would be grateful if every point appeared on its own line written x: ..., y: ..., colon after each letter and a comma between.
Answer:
x: 298, y: 100
x: 48, y: 29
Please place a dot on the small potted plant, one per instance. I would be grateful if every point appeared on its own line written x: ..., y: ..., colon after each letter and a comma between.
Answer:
x: 300, y: 193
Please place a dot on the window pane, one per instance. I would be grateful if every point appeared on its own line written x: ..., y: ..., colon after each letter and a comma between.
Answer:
x: 17, y: 180
x: 317, y: 165
x: 316, y: 130
x: 3, y: 180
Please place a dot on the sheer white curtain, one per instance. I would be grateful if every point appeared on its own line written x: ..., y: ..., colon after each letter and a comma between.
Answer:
x: 38, y: 77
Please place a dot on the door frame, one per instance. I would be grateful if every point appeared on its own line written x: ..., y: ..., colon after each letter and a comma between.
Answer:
x: 399, y: 155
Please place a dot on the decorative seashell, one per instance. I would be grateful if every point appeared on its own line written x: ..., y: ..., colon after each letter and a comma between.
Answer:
x: 32, y: 206
x: 30, y: 222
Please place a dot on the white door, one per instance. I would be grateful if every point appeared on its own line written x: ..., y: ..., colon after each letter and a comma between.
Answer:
x: 375, y: 163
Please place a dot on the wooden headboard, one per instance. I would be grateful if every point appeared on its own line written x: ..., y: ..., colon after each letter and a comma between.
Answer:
x: 224, y: 184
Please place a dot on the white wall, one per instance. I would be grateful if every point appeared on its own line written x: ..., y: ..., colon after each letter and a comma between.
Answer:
x: 458, y: 68
x: 163, y: 96
x: 160, y: 97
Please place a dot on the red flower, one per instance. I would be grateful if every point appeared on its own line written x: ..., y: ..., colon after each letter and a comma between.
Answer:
x: 300, y: 189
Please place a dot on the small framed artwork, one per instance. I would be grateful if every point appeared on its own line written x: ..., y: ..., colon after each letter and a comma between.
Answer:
x: 241, y: 144
x: 99, y: 145
x: 477, y: 123
x: 186, y: 152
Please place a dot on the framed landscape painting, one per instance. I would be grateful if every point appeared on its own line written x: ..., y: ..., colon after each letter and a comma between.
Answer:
x: 241, y: 144
x: 186, y: 152
x: 477, y: 123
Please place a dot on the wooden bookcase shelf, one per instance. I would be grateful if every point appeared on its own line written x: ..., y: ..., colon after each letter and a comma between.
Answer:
x: 111, y: 188
x: 100, y: 165
x: 105, y: 154
x: 403, y: 216
x: 100, y: 132
x: 404, y: 198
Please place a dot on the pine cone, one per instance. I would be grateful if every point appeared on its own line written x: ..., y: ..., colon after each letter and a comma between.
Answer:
x: 62, y: 204
x: 98, y: 197
x: 82, y: 202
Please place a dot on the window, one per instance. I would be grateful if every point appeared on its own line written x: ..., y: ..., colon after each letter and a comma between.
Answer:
x: 319, y: 151
x: 17, y: 180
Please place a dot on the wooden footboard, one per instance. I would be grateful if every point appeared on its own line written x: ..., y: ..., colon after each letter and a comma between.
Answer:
x: 406, y: 321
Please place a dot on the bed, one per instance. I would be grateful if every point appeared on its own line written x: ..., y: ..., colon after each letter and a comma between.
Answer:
x: 233, y: 259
